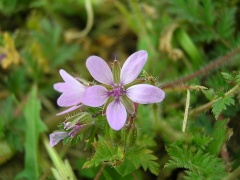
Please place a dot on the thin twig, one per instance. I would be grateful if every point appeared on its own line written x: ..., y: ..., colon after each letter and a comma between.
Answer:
x: 203, y: 71
x: 100, y: 172
x: 186, y: 111
x: 233, y: 175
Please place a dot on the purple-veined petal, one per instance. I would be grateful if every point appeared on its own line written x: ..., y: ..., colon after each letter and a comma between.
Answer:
x: 99, y: 70
x: 95, y: 96
x: 69, y: 110
x: 56, y: 137
x: 133, y: 66
x: 116, y: 115
x: 71, y: 81
x: 70, y: 98
x: 145, y: 94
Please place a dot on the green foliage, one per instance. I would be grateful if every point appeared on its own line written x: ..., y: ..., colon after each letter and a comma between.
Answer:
x: 34, y: 127
x: 136, y: 157
x: 44, y: 37
x: 62, y: 169
x: 123, y: 161
x: 49, y: 40
x: 13, y: 6
x: 219, y: 137
x: 198, y: 165
x: 221, y: 104
x: 225, y: 25
x: 11, y: 126
x: 105, y: 152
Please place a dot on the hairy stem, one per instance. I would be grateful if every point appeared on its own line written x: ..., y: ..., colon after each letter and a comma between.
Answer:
x: 203, y: 71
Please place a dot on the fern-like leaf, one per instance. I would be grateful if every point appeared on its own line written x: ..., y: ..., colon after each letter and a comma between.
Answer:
x: 221, y: 105
x: 225, y: 26
x: 105, y: 151
x: 138, y: 156
x: 198, y: 165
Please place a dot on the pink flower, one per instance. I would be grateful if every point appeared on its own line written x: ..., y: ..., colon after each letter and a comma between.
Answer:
x: 71, y: 90
x: 120, y: 88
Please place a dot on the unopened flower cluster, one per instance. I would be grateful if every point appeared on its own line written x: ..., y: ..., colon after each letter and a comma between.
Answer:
x: 118, y: 92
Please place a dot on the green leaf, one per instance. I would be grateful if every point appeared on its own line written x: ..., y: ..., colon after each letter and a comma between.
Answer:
x: 208, y: 12
x: 221, y: 105
x: 237, y: 78
x: 209, y: 94
x: 225, y: 26
x: 219, y: 136
x: 200, y: 141
x: 227, y: 76
x: 34, y: 126
x: 196, y: 162
x: 138, y: 156
x: 105, y: 151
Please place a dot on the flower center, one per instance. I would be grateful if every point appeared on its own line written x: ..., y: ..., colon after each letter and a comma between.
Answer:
x: 117, y: 91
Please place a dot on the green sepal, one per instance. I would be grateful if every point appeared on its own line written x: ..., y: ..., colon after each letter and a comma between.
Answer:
x: 128, y: 103
x: 116, y: 72
x: 108, y: 87
x: 109, y: 100
x: 137, y: 81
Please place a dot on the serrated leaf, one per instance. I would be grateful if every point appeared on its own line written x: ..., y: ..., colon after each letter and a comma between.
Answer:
x: 105, y: 151
x: 136, y: 157
x: 221, y: 105
x: 237, y: 78
x: 227, y: 76
x: 201, y: 141
x: 219, y: 136
x: 208, y: 12
x: 209, y: 94
x: 195, y: 162
x: 225, y: 26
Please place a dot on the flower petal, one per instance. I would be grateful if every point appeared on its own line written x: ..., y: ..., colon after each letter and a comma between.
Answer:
x: 71, y: 90
x: 56, y: 137
x: 99, y: 70
x: 70, y: 98
x: 70, y: 80
x: 133, y: 66
x: 116, y: 115
x: 69, y: 110
x: 61, y: 87
x: 145, y: 94
x: 95, y: 96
